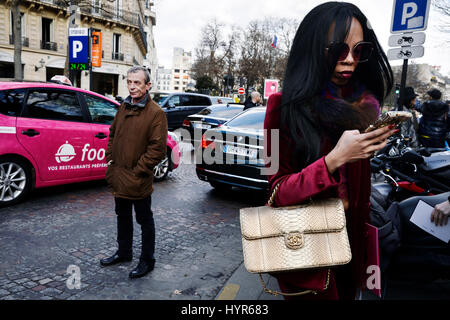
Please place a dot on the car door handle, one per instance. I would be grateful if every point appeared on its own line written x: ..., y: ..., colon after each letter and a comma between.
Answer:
x: 101, y: 135
x: 30, y: 133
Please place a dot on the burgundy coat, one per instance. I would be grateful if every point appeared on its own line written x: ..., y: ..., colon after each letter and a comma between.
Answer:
x: 300, y: 184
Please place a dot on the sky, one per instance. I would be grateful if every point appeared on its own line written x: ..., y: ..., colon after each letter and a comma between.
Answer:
x: 179, y: 22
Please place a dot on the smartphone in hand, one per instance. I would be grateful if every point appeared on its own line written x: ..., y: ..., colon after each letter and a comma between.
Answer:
x: 389, y: 118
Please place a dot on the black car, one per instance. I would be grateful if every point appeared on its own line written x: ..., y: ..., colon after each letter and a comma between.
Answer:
x: 178, y: 106
x: 233, y: 154
x: 210, y: 117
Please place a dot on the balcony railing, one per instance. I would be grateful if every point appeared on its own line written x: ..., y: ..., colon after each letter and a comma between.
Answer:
x: 111, y: 12
x: 117, y: 56
x: 143, y: 33
x: 48, y: 45
x: 25, y: 41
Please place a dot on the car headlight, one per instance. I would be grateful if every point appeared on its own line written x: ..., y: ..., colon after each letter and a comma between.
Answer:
x: 174, y: 137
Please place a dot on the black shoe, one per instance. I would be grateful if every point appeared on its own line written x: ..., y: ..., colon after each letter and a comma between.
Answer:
x: 142, y: 269
x: 115, y: 259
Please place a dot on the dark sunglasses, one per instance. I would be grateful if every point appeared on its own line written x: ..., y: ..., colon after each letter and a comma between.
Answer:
x: 361, y: 51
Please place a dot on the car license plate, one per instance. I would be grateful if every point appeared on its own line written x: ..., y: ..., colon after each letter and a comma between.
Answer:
x: 202, y: 126
x: 251, y: 153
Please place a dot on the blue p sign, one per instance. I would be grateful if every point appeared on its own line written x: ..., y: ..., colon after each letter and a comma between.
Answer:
x: 410, y: 15
x: 78, y: 45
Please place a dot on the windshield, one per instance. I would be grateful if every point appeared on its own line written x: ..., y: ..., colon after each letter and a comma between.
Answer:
x: 221, y: 111
x: 160, y: 98
x: 250, y: 120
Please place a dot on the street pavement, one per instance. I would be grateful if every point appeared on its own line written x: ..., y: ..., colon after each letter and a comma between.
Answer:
x: 198, y: 246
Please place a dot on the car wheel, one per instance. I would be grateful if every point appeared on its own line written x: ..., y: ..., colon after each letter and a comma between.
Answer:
x: 161, y: 171
x: 220, y: 186
x: 15, y: 180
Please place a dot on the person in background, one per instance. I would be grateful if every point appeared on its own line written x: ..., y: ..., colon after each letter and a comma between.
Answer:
x: 440, y: 213
x: 434, y: 124
x: 409, y: 128
x: 253, y: 101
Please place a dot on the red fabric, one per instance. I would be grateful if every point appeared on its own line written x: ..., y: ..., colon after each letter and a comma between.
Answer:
x: 297, y: 185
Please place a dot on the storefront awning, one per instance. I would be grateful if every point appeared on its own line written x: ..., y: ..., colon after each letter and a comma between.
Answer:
x: 107, y: 68
x: 6, y: 57
x: 56, y: 63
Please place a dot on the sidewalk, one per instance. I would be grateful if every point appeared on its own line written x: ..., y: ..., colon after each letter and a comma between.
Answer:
x: 243, y: 285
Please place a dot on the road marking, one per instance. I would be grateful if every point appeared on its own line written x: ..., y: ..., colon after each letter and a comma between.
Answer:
x: 229, y: 292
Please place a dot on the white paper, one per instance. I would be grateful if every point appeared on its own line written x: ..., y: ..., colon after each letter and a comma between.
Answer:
x: 421, y: 217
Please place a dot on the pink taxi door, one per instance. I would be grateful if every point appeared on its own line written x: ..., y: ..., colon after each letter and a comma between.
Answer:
x: 54, y: 130
x: 102, y: 112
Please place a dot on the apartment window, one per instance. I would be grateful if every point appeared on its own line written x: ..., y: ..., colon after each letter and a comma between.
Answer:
x: 96, y: 6
x: 117, y: 46
x: 47, y: 35
x: 22, y: 23
x: 22, y: 27
x: 176, y: 88
x: 118, y: 9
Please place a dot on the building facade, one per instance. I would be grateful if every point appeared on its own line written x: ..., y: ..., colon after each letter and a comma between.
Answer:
x: 126, y: 28
x: 181, y: 70
x: 164, y: 80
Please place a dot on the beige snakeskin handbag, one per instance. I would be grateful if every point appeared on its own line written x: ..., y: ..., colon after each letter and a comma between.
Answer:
x: 300, y: 237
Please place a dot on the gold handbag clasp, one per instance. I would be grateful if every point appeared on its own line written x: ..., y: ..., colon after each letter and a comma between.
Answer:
x: 294, y: 240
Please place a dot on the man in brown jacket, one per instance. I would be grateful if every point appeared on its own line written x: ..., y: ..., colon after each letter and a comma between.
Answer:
x: 137, y: 143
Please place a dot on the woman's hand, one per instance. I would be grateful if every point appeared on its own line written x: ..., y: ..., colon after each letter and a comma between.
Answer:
x: 354, y: 146
x: 440, y: 213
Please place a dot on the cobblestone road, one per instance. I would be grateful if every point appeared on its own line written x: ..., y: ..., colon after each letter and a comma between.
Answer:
x: 198, y: 243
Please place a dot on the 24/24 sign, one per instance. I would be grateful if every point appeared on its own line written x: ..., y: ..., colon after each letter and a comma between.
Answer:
x: 410, y: 15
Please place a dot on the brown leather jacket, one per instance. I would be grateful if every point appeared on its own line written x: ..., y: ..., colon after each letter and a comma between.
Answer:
x: 137, y: 143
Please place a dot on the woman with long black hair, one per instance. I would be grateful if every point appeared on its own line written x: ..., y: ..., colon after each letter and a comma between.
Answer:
x: 336, y: 78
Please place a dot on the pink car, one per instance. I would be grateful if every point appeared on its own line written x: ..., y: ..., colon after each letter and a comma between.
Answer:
x: 53, y: 134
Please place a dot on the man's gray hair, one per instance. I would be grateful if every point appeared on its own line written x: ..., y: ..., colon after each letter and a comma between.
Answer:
x: 255, y: 94
x: 140, y: 68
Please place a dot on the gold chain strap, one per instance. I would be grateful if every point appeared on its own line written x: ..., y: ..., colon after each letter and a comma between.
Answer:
x: 276, y: 293
x: 272, y: 197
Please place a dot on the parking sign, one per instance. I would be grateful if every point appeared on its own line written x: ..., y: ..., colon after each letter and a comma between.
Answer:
x: 409, y: 15
x: 78, y: 45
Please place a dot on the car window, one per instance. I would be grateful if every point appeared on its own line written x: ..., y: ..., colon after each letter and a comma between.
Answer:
x: 101, y: 110
x: 11, y: 102
x: 187, y: 100
x: 204, y: 101
x: 249, y: 120
x: 160, y: 98
x: 198, y: 101
x: 53, y: 105
x: 174, y: 101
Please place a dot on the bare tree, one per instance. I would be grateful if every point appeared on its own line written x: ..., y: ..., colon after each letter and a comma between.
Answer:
x: 259, y: 59
x: 215, y: 55
x: 443, y: 6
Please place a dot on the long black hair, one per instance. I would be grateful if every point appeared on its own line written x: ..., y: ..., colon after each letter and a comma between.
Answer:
x: 309, y: 70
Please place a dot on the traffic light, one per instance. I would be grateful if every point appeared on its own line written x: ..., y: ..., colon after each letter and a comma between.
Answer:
x: 397, y: 89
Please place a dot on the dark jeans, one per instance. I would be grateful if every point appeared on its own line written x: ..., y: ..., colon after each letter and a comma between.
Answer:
x: 144, y: 217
